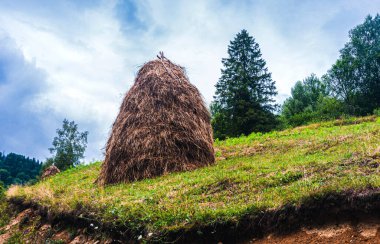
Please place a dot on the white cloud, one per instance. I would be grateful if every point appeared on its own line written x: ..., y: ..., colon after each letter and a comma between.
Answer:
x: 85, y: 73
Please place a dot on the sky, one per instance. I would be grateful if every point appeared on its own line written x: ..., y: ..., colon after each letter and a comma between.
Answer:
x: 77, y: 59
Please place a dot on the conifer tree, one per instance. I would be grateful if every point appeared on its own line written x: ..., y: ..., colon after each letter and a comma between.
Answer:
x: 244, y: 98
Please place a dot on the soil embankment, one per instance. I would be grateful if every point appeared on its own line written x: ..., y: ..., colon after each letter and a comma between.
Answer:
x: 363, y: 230
x: 350, y: 217
x: 28, y: 224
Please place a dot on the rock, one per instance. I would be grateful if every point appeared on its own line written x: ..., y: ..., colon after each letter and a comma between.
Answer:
x: 50, y: 171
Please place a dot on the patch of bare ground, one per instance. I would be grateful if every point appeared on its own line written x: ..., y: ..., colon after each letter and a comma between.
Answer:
x: 365, y: 230
x: 346, y: 223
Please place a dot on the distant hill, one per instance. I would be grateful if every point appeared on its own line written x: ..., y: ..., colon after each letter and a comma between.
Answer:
x: 18, y: 169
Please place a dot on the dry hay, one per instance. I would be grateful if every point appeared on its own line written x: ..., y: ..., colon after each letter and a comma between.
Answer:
x: 163, y: 126
x: 50, y: 171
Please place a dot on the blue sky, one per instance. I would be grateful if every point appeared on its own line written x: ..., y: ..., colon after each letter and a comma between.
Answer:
x: 76, y: 59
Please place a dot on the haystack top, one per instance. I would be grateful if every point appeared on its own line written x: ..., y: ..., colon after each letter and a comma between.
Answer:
x: 162, y: 67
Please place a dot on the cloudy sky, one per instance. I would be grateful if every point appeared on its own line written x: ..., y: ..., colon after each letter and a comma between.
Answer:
x: 76, y: 59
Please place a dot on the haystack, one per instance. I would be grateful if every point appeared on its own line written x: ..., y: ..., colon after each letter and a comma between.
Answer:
x: 163, y: 126
x: 50, y: 171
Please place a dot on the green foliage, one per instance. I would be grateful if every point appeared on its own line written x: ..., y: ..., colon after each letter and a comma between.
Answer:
x: 5, y: 176
x: 2, y: 190
x: 309, y: 102
x: 350, y: 87
x: 16, y: 238
x: 253, y: 174
x: 304, y: 96
x: 244, y: 93
x: 376, y: 112
x: 300, y: 119
x: 4, y: 213
x: 68, y: 146
x: 219, y: 121
x: 354, y: 78
x: 18, y: 169
x: 329, y: 108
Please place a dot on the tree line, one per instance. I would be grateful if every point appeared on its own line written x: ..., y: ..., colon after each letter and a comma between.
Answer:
x: 244, y: 98
x: 18, y: 169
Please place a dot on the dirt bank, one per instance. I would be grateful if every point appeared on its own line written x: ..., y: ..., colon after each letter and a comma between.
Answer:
x: 364, y: 230
x: 29, y: 226
x: 351, y: 217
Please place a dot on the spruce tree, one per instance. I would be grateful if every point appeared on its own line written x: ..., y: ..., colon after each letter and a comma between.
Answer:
x: 244, y: 98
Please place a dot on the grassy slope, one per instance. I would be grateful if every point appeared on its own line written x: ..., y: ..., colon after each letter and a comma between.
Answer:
x: 253, y: 173
x: 4, y: 212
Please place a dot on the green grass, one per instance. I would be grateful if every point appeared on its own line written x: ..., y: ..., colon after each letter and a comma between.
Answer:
x: 4, y: 211
x: 252, y: 174
x: 4, y: 216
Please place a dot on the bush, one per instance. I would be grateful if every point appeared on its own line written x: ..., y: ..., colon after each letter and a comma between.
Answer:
x: 4, y: 216
x: 329, y: 108
x: 376, y: 112
x: 301, y: 118
x: 2, y: 190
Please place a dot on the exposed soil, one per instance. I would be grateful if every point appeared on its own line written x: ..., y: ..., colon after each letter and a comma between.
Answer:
x: 365, y: 231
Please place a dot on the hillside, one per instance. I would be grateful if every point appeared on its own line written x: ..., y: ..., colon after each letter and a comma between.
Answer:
x: 261, y: 183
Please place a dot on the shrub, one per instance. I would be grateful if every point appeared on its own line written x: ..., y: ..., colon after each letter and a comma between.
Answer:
x: 376, y: 112
x: 329, y: 108
x: 2, y: 190
x: 4, y: 213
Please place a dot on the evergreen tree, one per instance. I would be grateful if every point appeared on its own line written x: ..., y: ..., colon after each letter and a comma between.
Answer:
x: 68, y: 146
x: 244, y: 93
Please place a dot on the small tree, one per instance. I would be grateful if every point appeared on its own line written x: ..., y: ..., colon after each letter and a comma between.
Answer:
x: 68, y: 146
x: 244, y: 98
